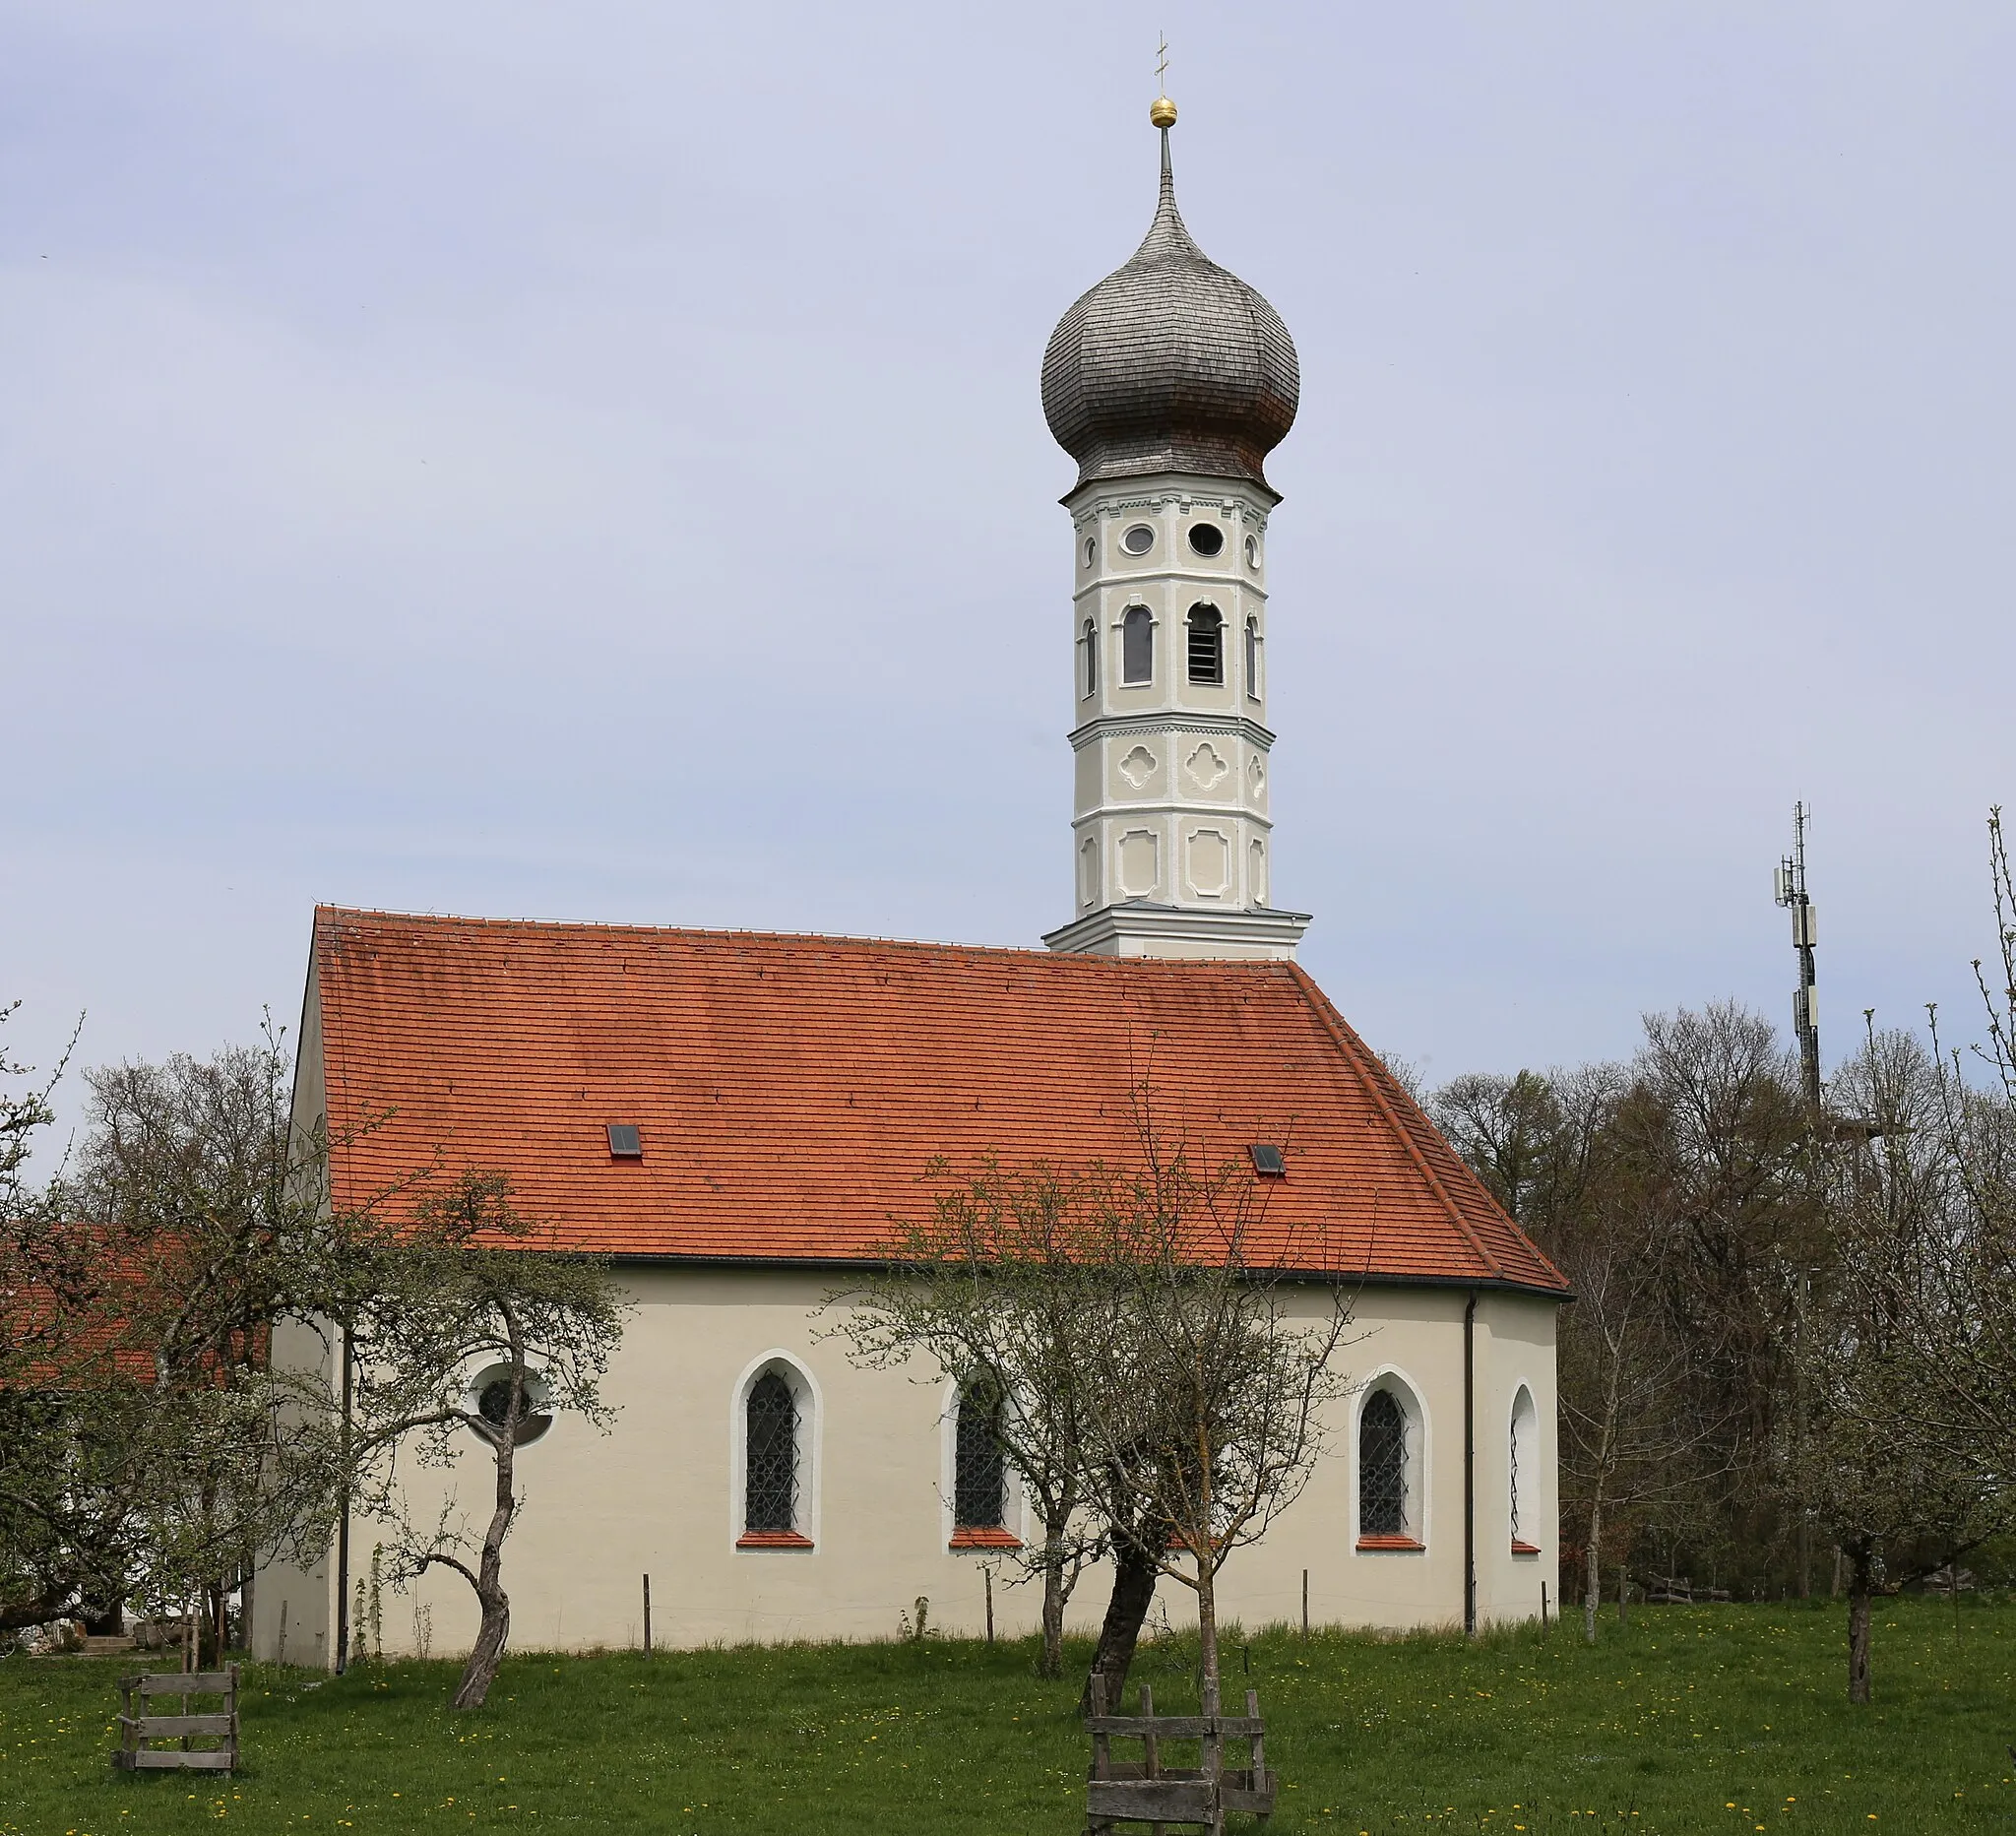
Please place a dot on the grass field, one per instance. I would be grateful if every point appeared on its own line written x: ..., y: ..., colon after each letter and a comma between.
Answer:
x: 1714, y: 1719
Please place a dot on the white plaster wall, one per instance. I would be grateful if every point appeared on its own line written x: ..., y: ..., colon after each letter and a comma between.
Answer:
x: 658, y: 1496
x: 1168, y: 581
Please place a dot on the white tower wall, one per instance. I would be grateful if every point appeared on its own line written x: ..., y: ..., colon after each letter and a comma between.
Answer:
x: 1172, y: 837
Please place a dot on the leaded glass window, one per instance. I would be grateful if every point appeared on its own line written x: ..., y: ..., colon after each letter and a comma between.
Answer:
x: 1515, y: 1476
x: 770, y: 1457
x: 980, y: 1479
x: 1382, y: 1467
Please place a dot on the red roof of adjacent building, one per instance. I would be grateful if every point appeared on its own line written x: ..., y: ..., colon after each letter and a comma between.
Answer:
x: 791, y: 1092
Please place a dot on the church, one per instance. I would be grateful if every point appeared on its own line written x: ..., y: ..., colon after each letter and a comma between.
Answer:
x: 734, y: 1118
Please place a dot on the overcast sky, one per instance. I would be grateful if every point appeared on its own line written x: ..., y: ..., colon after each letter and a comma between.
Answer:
x: 586, y: 462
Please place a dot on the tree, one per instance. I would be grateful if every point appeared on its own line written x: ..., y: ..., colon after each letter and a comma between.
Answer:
x: 1207, y: 1386
x: 992, y: 1290
x: 469, y: 1319
x: 1633, y: 1438
x: 1905, y: 1458
x: 1166, y: 1391
x: 166, y: 1449
x: 1670, y: 1189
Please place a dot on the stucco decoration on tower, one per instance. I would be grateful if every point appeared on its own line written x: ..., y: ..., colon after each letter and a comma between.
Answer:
x: 1171, y: 363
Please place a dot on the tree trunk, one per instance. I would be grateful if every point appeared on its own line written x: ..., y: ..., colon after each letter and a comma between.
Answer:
x: 1052, y: 1662
x: 1860, y: 1580
x: 1207, y: 1634
x: 1592, y: 1575
x: 489, y: 1652
x: 1134, y: 1578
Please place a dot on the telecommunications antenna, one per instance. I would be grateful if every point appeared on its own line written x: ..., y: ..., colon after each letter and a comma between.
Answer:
x: 1791, y: 892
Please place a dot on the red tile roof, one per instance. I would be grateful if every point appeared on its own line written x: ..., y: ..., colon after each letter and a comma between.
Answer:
x: 791, y: 1090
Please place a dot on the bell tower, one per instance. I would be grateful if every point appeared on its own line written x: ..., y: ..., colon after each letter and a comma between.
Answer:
x: 1170, y: 382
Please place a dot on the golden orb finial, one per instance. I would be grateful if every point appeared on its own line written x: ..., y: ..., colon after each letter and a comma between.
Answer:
x: 1162, y: 113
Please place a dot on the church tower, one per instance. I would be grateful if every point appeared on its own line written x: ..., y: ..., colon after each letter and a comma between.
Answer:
x: 1170, y: 382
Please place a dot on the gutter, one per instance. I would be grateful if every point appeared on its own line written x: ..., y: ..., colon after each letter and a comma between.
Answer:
x: 1470, y: 1467
x: 342, y: 1526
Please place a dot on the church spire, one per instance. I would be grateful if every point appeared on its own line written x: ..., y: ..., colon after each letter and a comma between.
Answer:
x: 1170, y: 382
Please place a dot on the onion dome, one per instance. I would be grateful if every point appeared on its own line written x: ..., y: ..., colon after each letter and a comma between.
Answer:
x: 1170, y: 363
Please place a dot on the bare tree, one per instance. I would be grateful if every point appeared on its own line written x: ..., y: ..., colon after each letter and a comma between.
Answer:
x: 1905, y: 1455
x: 1212, y: 1362
x: 470, y: 1320
x: 993, y: 1289
x: 1632, y: 1438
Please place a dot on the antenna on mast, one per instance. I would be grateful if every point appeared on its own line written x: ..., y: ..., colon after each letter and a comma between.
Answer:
x: 1790, y: 893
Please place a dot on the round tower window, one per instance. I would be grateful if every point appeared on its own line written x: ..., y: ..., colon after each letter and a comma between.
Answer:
x: 1252, y: 551
x: 1207, y: 537
x: 1138, y: 540
x: 1091, y: 550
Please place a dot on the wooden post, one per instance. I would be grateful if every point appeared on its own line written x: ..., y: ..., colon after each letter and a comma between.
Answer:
x: 1102, y: 1743
x: 987, y: 1573
x: 1213, y: 1758
x: 231, y: 1740
x: 646, y: 1616
x: 1543, y: 1606
x: 1151, y: 1749
x: 1305, y: 1603
x: 1259, y: 1741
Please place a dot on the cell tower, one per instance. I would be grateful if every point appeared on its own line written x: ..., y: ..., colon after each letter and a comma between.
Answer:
x: 1805, y: 1012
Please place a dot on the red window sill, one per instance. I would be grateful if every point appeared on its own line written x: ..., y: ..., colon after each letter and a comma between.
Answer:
x: 984, y: 1537
x: 772, y: 1540
x: 1401, y: 1544
x: 1524, y: 1549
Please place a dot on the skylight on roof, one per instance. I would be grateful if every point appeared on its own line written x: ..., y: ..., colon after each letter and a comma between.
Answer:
x: 626, y: 1143
x: 1268, y: 1161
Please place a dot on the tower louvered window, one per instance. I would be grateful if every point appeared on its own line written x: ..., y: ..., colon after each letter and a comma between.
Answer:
x: 1206, y: 644
x: 1382, y: 1467
x: 1137, y: 646
x: 771, y: 1456
x: 980, y: 1480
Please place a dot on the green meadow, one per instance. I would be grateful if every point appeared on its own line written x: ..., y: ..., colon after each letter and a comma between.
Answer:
x: 1690, y: 1719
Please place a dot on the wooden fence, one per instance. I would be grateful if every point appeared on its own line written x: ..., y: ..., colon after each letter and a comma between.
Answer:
x: 1150, y: 1792
x: 137, y: 1728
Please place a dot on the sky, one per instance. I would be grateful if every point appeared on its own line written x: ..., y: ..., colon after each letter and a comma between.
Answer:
x: 586, y: 462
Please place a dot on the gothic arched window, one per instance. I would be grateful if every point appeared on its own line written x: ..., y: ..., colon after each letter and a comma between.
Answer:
x: 770, y: 1457
x: 1088, y: 640
x: 1137, y: 646
x: 1253, y: 657
x: 979, y: 1474
x: 1382, y: 1467
x: 1206, y: 644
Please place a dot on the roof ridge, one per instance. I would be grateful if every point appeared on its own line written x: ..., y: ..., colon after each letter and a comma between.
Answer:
x: 1342, y: 1032
x: 832, y: 939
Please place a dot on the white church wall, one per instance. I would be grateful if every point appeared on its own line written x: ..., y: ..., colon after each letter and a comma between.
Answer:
x: 661, y: 1494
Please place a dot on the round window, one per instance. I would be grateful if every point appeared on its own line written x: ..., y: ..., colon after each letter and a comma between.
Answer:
x: 1207, y: 537
x: 1091, y: 550
x: 1252, y: 551
x: 1138, y: 540
x: 491, y: 1395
